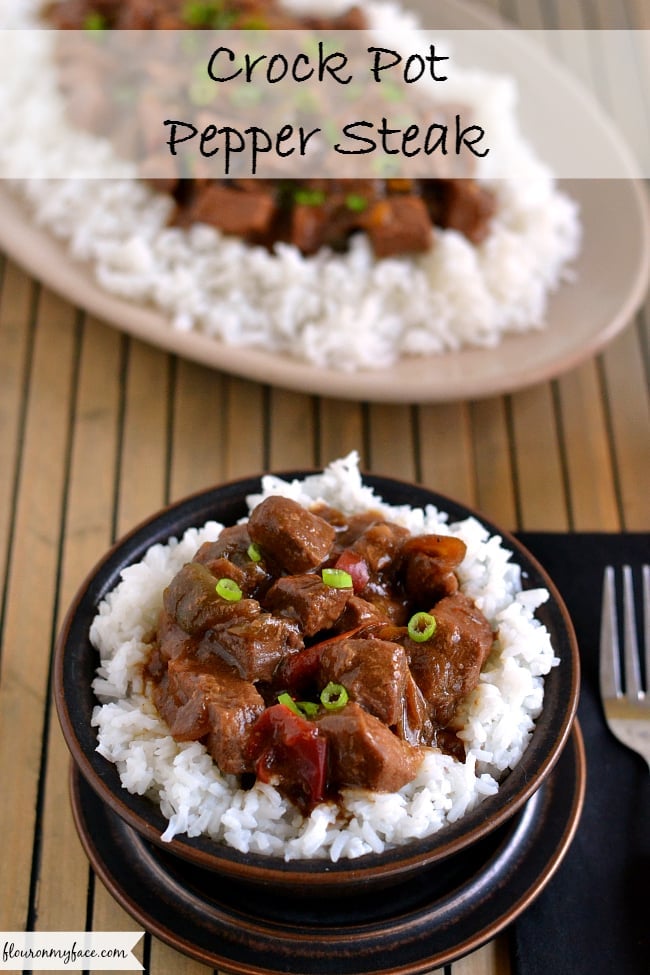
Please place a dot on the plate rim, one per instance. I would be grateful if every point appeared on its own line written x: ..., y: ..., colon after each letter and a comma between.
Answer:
x: 415, y: 966
x: 413, y: 379
x: 235, y: 491
x: 469, y: 373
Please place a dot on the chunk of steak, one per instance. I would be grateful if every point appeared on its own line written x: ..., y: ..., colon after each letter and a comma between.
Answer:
x: 364, y: 753
x: 292, y: 537
x: 231, y: 210
x: 378, y: 545
x: 208, y: 699
x: 255, y: 646
x: 232, y: 548
x: 468, y: 208
x: 399, y: 225
x: 374, y: 673
x: 191, y: 599
x: 306, y: 599
x: 447, y: 666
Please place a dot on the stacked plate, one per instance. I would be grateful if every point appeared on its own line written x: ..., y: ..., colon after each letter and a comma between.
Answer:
x: 408, y: 909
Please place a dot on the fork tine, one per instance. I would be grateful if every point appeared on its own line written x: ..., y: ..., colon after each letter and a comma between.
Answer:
x: 646, y: 624
x: 610, y: 680
x: 630, y: 641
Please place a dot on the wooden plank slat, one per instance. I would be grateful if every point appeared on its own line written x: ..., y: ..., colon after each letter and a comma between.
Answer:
x: 495, y: 495
x: 629, y: 418
x: 391, y: 441
x: 88, y: 521
x: 32, y: 590
x: 143, y: 484
x: 199, y: 430
x: 492, y: 959
x: 342, y: 430
x: 165, y: 959
x: 445, y: 452
x: 245, y: 448
x: 538, y: 461
x: 107, y: 915
x: 588, y: 459
x: 292, y: 436
x: 15, y: 324
x: 144, y: 459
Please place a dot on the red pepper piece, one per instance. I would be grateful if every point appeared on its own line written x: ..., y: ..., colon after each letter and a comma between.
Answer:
x: 286, y: 747
x: 357, y: 567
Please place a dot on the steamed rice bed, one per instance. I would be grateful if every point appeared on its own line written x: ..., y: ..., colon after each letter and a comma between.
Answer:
x: 196, y: 798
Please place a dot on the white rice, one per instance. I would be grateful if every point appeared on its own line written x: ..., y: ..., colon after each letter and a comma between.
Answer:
x: 341, y: 311
x: 197, y: 798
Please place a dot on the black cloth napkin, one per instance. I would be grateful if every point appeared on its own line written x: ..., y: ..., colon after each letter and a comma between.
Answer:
x: 593, y: 917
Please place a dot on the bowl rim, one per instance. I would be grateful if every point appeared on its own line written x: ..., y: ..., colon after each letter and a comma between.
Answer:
x: 393, y: 863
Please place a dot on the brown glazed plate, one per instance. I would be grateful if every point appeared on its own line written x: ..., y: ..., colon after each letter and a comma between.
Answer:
x: 444, y: 912
x: 76, y: 661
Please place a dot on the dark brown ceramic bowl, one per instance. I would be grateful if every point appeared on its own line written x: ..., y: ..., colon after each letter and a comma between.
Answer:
x: 76, y: 661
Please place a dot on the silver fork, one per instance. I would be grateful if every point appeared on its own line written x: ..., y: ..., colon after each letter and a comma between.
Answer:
x: 627, y: 711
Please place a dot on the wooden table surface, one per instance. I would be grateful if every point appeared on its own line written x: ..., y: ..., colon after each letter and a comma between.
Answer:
x: 97, y: 431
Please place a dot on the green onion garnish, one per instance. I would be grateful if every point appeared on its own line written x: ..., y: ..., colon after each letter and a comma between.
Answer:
x: 356, y: 202
x: 310, y: 198
x: 95, y: 21
x: 337, y: 578
x: 334, y: 697
x: 228, y: 589
x: 207, y: 13
x: 253, y: 552
x: 421, y: 627
x: 306, y: 709
x: 255, y: 23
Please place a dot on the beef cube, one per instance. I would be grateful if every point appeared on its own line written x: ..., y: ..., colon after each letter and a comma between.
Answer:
x: 233, y: 545
x: 306, y: 599
x: 172, y: 639
x: 364, y: 753
x: 311, y: 227
x: 358, y: 612
x: 255, y: 646
x: 138, y: 15
x: 468, y: 207
x: 211, y: 701
x: 374, y: 673
x: 233, y: 211
x: 192, y: 600
x: 428, y: 564
x: 295, y: 539
x: 399, y: 225
x: 379, y: 544
x: 447, y: 666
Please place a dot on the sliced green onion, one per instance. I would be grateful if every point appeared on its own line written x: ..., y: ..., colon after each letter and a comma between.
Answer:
x: 207, y: 13
x: 421, y: 627
x: 334, y: 697
x: 310, y: 198
x: 337, y: 578
x: 95, y: 21
x: 228, y: 589
x: 306, y: 709
x: 356, y: 202
x: 255, y: 23
x: 288, y: 702
x: 253, y: 552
